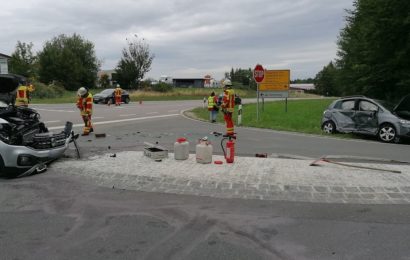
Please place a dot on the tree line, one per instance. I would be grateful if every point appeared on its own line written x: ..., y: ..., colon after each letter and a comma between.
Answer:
x: 71, y: 61
x: 373, y: 57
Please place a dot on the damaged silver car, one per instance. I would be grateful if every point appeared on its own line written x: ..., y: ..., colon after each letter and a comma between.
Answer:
x: 362, y: 115
x: 26, y: 145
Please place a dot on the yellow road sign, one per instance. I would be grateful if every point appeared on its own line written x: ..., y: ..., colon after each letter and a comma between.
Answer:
x: 275, y: 80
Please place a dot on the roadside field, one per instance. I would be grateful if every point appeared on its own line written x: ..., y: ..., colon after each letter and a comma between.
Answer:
x: 137, y: 95
x: 175, y: 94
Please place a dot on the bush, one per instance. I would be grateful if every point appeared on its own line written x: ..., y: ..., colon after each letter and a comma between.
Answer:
x: 162, y: 87
x: 53, y: 90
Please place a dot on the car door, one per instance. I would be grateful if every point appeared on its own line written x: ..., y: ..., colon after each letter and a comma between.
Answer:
x: 366, y: 119
x: 343, y: 115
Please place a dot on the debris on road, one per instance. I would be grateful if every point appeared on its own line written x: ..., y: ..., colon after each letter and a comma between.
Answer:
x: 261, y: 155
x: 155, y: 151
x: 100, y: 135
x: 113, y: 155
x: 216, y: 134
x: 315, y: 163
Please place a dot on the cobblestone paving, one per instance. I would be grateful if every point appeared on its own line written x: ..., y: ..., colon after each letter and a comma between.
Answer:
x: 247, y: 178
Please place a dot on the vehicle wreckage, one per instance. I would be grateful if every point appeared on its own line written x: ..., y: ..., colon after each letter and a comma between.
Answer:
x: 26, y: 145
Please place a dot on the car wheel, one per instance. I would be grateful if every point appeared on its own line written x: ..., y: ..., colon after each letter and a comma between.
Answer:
x: 127, y: 100
x: 387, y: 133
x: 329, y: 127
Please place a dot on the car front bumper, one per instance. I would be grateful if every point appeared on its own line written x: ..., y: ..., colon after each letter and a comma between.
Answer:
x: 404, y: 130
x: 20, y: 159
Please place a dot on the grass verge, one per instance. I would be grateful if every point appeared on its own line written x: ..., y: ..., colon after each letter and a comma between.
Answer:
x: 302, y: 116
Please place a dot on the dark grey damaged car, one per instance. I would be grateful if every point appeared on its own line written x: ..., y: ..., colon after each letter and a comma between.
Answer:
x: 26, y: 145
x: 362, y: 115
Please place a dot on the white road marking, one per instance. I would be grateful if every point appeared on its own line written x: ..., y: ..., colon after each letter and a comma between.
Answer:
x: 55, y: 110
x: 117, y: 121
x: 151, y: 113
x: 55, y: 121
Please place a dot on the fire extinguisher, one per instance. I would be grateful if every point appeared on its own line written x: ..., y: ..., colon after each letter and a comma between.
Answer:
x: 229, y: 153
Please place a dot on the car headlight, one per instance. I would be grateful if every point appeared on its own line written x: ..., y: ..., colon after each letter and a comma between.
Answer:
x: 404, y: 122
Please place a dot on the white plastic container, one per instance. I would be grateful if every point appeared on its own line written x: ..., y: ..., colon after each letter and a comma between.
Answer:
x: 204, y: 151
x: 181, y: 149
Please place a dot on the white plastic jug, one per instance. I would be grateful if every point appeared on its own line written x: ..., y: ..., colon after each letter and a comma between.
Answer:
x: 181, y: 149
x: 204, y: 151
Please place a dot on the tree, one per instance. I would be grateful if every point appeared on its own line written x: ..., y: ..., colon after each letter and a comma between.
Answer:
x: 135, y: 62
x: 23, y: 61
x: 374, y: 49
x: 241, y: 78
x: 104, y: 81
x: 70, y: 60
x: 326, y: 81
x: 302, y: 81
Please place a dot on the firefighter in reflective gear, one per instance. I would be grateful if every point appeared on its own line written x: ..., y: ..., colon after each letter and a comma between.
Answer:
x: 228, y: 106
x: 85, y: 104
x: 212, y: 107
x: 117, y: 94
x: 22, y: 96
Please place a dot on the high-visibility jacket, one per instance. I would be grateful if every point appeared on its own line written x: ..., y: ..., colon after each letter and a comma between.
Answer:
x: 211, y: 103
x: 117, y: 92
x: 228, y: 101
x: 22, y: 96
x: 85, y: 104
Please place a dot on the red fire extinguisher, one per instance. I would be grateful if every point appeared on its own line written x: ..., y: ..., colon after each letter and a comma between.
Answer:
x: 229, y: 153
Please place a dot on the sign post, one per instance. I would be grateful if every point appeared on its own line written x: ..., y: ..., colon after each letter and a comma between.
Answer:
x: 258, y: 75
x: 276, y: 85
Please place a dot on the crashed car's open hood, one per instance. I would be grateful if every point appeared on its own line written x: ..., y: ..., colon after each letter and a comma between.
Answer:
x: 403, y: 108
x: 8, y: 86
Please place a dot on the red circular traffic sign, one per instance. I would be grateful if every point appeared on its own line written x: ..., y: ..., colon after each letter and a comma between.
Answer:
x: 258, y: 73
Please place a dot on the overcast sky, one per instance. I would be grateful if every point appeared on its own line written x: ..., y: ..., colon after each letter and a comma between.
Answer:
x: 189, y: 38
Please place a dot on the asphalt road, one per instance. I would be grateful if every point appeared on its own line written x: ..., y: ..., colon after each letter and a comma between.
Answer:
x: 54, y: 216
x: 129, y: 126
x: 62, y: 216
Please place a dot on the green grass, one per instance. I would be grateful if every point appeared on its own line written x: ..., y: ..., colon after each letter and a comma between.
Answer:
x: 68, y: 97
x: 175, y: 94
x: 301, y: 116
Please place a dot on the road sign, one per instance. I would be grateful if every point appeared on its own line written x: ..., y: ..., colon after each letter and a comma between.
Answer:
x: 275, y: 80
x: 258, y: 73
x: 274, y: 94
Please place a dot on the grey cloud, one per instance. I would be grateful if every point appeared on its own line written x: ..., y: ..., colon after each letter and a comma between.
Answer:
x: 189, y: 38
